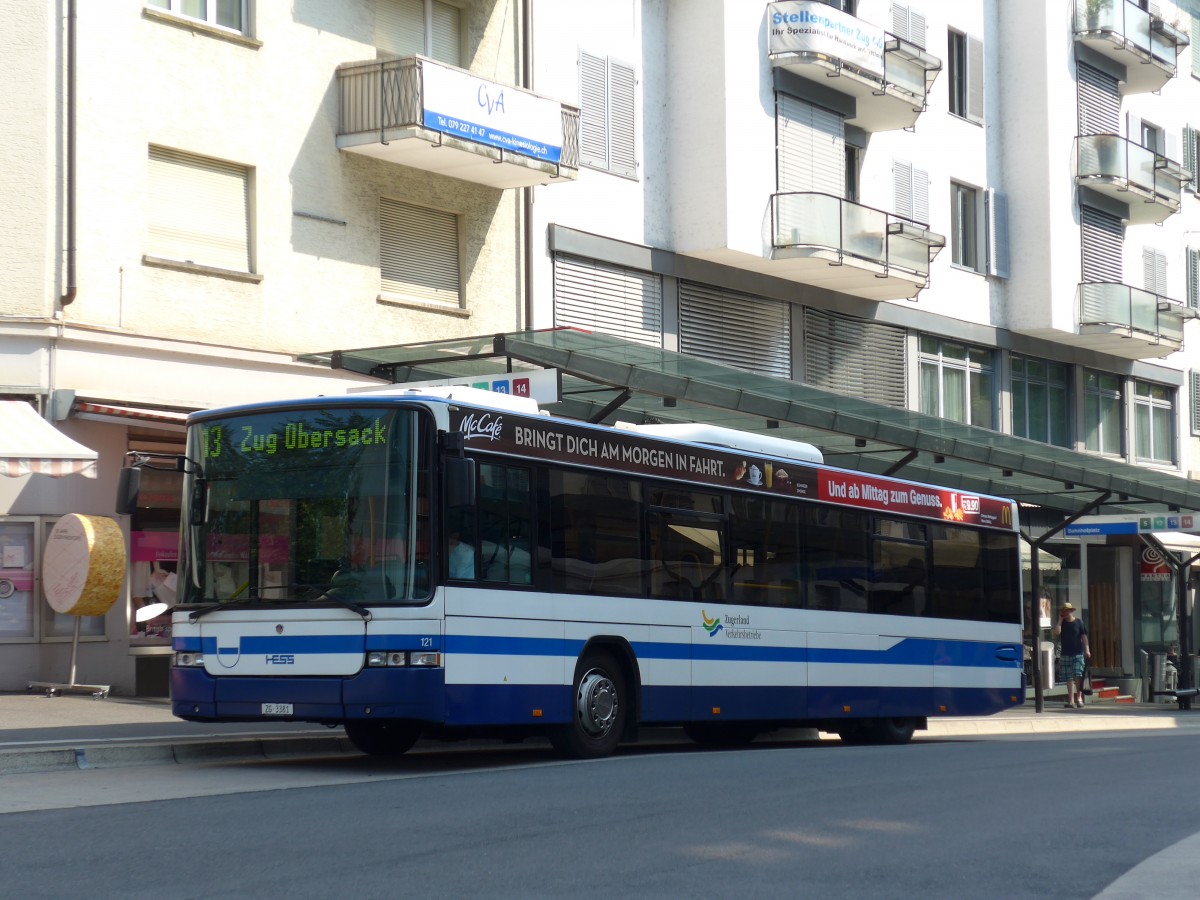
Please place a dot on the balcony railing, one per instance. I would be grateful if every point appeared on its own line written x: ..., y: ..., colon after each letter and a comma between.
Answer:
x: 888, y: 77
x: 1148, y: 182
x: 1132, y: 319
x: 883, y: 256
x: 1146, y: 44
x: 438, y: 118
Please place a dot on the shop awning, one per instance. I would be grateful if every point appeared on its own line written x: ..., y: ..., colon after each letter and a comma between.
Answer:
x: 31, y: 445
x: 166, y: 419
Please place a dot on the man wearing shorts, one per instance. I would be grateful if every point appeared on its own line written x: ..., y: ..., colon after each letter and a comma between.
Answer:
x: 1074, y: 652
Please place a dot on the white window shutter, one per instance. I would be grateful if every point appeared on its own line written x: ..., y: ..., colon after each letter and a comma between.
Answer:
x: 593, y: 110
x: 902, y: 178
x: 996, y: 219
x: 1193, y: 278
x: 920, y: 196
x: 622, y: 119
x: 975, y: 69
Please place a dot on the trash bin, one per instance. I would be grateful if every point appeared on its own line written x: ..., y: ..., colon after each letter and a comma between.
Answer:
x: 1158, y: 678
x: 1047, y: 665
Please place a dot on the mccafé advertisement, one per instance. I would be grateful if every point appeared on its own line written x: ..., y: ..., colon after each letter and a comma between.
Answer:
x: 489, y: 431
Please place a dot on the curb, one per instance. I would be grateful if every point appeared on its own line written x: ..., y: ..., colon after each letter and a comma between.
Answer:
x: 107, y: 756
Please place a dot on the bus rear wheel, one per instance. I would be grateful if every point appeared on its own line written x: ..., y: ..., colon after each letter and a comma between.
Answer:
x: 386, y: 737
x: 893, y: 731
x: 598, y: 710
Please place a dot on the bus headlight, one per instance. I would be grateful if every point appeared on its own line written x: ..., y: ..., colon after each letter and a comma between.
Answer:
x: 425, y: 658
x: 189, y: 659
x: 381, y: 658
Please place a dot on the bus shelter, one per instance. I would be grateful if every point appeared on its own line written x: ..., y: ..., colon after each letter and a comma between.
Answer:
x: 602, y: 379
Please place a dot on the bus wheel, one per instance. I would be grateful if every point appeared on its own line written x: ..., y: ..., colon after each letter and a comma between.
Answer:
x: 386, y: 737
x: 598, y: 710
x: 712, y: 734
x: 893, y: 731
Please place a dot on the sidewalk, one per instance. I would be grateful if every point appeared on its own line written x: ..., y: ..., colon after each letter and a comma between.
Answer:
x: 38, y: 733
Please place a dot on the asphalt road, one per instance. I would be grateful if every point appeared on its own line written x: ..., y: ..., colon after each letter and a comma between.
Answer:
x: 1059, y: 816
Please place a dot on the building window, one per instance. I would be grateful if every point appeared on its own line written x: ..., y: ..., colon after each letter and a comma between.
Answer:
x: 1102, y: 413
x: 1154, y: 417
x: 230, y: 14
x: 607, y: 115
x: 956, y: 381
x: 964, y: 226
x: 1041, y: 407
x: 965, y: 58
x: 853, y: 167
x: 198, y: 211
x: 419, y: 27
x: 419, y: 253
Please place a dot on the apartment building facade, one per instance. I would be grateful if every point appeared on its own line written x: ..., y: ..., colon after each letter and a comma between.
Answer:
x: 983, y: 211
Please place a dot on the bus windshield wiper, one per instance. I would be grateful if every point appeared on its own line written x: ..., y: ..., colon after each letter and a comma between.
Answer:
x: 348, y: 604
x: 226, y: 604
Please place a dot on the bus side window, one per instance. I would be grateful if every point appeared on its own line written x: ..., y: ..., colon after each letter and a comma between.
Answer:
x: 505, y: 500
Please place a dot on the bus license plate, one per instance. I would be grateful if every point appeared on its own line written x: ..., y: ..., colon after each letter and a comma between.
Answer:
x: 277, y: 709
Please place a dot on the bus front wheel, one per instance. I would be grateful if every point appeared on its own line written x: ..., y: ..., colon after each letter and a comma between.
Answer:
x: 598, y: 710
x: 386, y: 737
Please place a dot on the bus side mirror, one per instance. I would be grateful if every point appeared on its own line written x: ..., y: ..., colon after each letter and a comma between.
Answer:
x: 460, y: 482
x: 198, y: 502
x: 129, y: 483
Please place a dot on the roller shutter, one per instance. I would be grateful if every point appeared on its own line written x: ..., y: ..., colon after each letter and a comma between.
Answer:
x: 812, y: 148
x: 854, y: 356
x: 418, y: 252
x: 198, y: 210
x: 1102, y: 236
x: 735, y: 329
x: 1099, y: 101
x: 626, y: 303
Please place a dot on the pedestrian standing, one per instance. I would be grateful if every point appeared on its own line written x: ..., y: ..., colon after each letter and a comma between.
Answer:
x: 1074, y: 651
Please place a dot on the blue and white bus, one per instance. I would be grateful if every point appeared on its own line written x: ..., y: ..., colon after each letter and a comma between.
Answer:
x: 447, y: 563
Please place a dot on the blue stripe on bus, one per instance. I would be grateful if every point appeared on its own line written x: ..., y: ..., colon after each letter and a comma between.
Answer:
x: 907, y: 652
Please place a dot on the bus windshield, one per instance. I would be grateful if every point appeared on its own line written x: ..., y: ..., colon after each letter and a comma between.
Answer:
x: 306, y: 506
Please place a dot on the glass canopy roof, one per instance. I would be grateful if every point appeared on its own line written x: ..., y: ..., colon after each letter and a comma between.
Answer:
x: 605, y: 379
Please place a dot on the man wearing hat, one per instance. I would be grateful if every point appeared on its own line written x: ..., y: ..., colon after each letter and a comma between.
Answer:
x: 1075, y: 652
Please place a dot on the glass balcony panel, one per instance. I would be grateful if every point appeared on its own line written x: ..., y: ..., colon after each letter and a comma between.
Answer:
x: 905, y: 74
x: 1141, y: 167
x: 906, y: 253
x: 1137, y: 26
x: 1102, y: 154
x: 1168, y: 188
x: 1097, y: 15
x: 1164, y: 48
x: 1104, y: 304
x: 864, y: 231
x: 1170, y: 326
x: 1143, y: 311
x: 808, y: 220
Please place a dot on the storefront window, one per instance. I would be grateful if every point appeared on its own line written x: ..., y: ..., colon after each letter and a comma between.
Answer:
x: 17, y: 593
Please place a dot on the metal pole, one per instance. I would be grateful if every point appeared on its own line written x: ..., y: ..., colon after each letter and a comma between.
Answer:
x: 74, y: 652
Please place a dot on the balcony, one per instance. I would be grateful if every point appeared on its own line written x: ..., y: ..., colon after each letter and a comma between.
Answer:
x: 833, y: 243
x: 888, y: 77
x: 436, y: 118
x: 1145, y: 44
x: 1128, y: 322
x: 1149, y: 183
